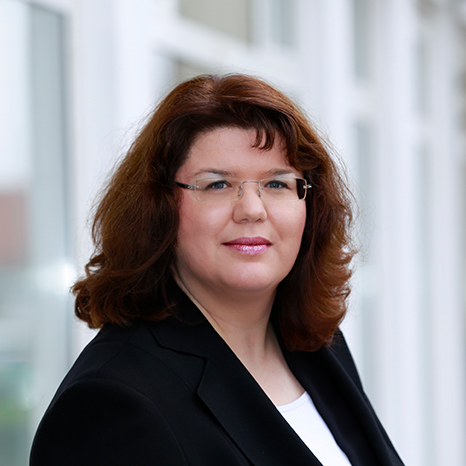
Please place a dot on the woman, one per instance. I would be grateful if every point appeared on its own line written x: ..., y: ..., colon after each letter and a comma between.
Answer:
x: 219, y: 280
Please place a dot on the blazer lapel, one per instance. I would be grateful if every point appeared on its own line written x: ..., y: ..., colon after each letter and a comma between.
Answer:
x: 330, y: 377
x: 248, y: 415
x: 231, y: 393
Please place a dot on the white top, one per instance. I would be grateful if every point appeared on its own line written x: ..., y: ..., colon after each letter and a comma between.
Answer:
x: 306, y: 421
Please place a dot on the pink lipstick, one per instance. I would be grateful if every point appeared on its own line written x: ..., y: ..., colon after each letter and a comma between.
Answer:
x: 251, y: 246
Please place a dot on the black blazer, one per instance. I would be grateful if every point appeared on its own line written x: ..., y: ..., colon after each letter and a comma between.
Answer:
x: 173, y: 393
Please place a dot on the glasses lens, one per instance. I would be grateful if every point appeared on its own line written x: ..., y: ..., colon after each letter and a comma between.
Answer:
x: 283, y: 189
x: 222, y: 189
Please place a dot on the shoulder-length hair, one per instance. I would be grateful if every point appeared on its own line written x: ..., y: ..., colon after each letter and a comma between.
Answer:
x: 136, y: 222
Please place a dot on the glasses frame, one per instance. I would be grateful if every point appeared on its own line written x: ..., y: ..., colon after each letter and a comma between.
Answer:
x: 195, y: 187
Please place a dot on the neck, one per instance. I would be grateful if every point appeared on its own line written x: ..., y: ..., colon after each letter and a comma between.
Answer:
x: 245, y: 326
x: 243, y: 322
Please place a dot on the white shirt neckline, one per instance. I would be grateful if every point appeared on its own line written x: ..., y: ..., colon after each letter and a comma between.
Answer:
x: 302, y: 415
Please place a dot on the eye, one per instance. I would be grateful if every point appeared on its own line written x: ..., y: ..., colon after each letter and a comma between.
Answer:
x: 217, y: 185
x: 277, y: 184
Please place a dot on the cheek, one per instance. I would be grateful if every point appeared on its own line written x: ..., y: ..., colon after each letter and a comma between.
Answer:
x: 298, y: 234
x: 292, y: 222
x: 292, y: 234
x: 187, y: 248
x: 296, y: 231
x: 199, y: 225
x: 301, y: 216
x: 188, y: 229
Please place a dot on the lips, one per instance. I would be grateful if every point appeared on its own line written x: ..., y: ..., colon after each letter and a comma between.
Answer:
x: 251, y: 246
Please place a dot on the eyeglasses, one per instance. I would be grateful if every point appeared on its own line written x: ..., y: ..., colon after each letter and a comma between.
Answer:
x: 280, y: 189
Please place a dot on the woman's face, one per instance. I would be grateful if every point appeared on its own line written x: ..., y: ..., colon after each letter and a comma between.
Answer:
x: 242, y: 246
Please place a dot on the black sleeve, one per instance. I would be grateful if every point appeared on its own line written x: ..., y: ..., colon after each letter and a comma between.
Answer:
x: 100, y: 422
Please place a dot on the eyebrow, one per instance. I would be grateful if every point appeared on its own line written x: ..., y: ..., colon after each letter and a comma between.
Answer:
x: 214, y: 171
x: 268, y: 174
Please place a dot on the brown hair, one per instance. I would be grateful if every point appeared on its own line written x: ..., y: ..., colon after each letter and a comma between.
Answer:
x: 136, y: 222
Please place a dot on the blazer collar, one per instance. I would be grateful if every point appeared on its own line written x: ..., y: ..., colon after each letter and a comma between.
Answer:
x: 330, y: 376
x: 230, y: 392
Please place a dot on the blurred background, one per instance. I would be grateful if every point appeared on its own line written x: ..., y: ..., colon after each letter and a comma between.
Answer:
x: 385, y: 80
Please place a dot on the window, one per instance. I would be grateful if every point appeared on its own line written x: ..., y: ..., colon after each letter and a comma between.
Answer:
x: 232, y: 18
x: 34, y: 250
x: 363, y: 38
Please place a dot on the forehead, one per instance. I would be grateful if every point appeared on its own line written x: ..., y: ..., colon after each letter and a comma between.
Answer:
x: 231, y: 151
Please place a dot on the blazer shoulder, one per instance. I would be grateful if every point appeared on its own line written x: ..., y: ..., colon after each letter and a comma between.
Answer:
x: 108, y: 343
x: 340, y: 350
x: 103, y: 357
x: 126, y: 428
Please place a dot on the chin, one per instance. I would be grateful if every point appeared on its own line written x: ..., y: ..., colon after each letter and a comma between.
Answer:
x: 254, y: 282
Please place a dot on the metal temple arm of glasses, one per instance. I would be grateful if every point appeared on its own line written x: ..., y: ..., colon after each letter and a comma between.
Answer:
x: 185, y: 186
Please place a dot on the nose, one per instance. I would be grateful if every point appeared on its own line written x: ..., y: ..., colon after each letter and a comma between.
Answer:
x: 249, y: 207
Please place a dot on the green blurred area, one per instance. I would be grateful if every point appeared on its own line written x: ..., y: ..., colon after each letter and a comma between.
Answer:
x: 15, y: 383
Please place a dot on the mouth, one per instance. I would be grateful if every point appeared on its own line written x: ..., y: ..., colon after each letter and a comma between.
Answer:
x: 251, y: 246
